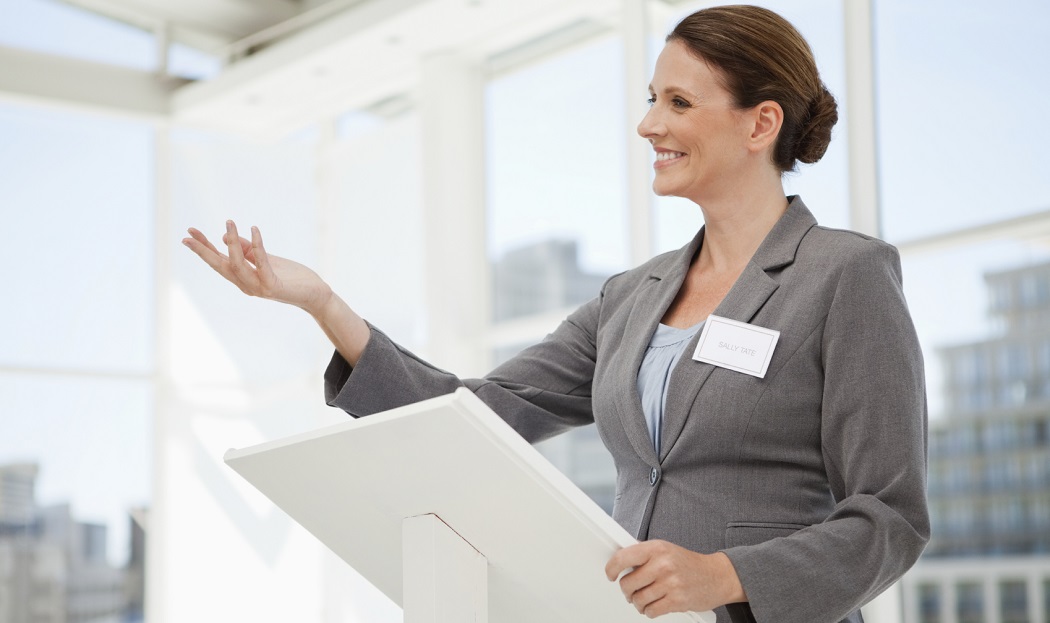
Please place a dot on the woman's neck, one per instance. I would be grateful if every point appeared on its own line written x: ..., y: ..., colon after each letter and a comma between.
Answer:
x: 735, y: 227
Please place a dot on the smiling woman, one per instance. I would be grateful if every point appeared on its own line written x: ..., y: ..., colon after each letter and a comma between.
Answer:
x: 752, y: 490
x: 702, y: 76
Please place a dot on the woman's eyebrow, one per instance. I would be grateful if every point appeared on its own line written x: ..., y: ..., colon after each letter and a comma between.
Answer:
x: 673, y: 89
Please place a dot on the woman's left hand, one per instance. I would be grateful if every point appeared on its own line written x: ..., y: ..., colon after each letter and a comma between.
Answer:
x: 663, y: 577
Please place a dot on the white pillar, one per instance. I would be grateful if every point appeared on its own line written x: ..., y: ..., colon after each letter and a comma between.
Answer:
x: 328, y: 220
x: 950, y: 610
x: 1036, y: 599
x: 163, y: 278
x: 445, y: 578
x: 162, y: 43
x: 910, y: 600
x: 887, y: 607
x: 634, y: 29
x: 458, y: 288
x: 991, y: 598
x: 860, y: 112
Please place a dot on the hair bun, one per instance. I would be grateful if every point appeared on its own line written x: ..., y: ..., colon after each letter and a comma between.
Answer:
x: 815, y: 134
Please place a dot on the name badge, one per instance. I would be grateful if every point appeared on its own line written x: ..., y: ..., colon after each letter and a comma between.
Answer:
x: 736, y: 345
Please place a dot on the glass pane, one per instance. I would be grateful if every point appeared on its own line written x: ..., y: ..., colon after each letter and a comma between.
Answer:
x: 389, y: 202
x: 556, y: 193
x: 75, y: 473
x: 929, y: 603
x: 216, y: 177
x: 1013, y: 601
x: 988, y: 390
x: 57, y: 28
x: 192, y: 63
x: 969, y: 604
x: 1046, y: 600
x: 956, y: 139
x: 824, y: 186
x: 77, y: 196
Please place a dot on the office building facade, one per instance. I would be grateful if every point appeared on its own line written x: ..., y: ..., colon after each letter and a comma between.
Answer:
x: 989, y: 471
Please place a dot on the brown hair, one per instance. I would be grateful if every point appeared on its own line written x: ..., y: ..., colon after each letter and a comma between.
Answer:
x: 762, y: 57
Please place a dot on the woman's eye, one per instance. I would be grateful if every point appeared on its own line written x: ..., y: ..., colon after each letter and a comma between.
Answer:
x: 680, y: 103
x: 651, y: 101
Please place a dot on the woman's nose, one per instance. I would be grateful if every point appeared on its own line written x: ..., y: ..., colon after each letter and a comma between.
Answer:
x: 649, y: 126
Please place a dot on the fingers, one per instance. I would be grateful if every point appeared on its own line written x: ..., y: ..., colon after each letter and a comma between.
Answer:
x: 262, y: 260
x: 207, y: 252
x: 201, y: 238
x: 632, y: 556
x: 234, y: 267
x: 233, y: 244
x: 635, y: 584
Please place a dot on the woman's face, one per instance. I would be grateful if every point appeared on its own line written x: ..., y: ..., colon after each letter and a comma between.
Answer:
x: 698, y: 134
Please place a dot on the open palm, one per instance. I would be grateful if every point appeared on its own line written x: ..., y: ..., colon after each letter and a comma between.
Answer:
x: 248, y: 266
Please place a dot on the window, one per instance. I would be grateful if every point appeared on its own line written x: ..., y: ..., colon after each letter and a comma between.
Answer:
x: 918, y: 66
x: 1013, y: 361
x: 89, y: 305
x: 1013, y: 601
x: 1046, y: 600
x: 192, y: 63
x: 969, y: 604
x: 57, y: 28
x: 929, y: 603
x: 1043, y: 356
x: 556, y: 217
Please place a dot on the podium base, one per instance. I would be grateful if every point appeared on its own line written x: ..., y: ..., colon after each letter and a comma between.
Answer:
x: 445, y: 578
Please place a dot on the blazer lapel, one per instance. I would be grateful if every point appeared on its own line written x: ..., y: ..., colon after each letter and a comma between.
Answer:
x: 747, y: 296
x: 650, y: 305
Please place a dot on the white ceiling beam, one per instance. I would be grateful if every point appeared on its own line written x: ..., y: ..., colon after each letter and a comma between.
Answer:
x: 228, y: 20
x: 1030, y: 228
x: 367, y: 53
x: 42, y: 78
x: 322, y: 65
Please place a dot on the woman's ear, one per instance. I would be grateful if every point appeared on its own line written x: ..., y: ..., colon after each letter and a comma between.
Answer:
x: 767, y: 119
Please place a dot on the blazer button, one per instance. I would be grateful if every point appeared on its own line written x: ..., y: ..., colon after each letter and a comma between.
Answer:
x: 654, y: 475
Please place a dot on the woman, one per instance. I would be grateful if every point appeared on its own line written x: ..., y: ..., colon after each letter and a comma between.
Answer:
x: 794, y: 495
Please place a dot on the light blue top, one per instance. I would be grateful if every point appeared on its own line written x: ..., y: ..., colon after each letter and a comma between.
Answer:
x: 665, y: 349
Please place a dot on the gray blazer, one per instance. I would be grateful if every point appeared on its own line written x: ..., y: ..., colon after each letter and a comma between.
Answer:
x: 812, y: 479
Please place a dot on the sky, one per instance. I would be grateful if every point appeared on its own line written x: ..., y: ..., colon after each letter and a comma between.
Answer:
x: 961, y: 143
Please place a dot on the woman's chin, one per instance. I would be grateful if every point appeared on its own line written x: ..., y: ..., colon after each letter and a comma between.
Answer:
x: 665, y: 190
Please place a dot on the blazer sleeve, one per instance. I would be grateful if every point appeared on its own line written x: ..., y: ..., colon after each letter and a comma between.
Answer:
x: 873, y: 441
x: 541, y: 392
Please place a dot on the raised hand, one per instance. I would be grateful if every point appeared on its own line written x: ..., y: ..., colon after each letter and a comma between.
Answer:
x: 248, y: 266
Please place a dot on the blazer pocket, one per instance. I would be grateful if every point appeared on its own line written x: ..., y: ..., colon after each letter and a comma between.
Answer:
x: 754, y: 532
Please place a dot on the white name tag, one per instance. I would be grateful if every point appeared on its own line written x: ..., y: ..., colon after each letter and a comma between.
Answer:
x: 736, y: 345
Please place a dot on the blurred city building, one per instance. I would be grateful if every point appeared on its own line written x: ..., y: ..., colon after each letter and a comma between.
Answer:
x: 53, y: 568
x: 541, y: 277
x: 989, y: 470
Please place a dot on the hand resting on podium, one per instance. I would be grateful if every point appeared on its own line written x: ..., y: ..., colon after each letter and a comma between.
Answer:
x: 659, y: 577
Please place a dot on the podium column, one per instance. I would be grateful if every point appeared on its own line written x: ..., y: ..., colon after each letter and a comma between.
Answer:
x: 445, y: 578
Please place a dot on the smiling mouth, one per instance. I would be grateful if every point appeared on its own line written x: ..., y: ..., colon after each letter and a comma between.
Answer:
x: 665, y: 156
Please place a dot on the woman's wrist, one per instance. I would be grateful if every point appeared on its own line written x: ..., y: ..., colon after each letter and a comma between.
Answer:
x: 732, y: 590
x: 318, y: 304
x: 348, y: 332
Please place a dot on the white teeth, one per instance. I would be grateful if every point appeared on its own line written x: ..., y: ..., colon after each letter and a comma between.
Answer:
x: 668, y: 155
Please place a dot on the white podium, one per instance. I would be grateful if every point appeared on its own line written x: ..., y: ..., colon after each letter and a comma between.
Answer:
x: 450, y: 513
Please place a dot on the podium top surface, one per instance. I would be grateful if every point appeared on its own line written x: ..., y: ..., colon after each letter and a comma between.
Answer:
x: 352, y: 484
